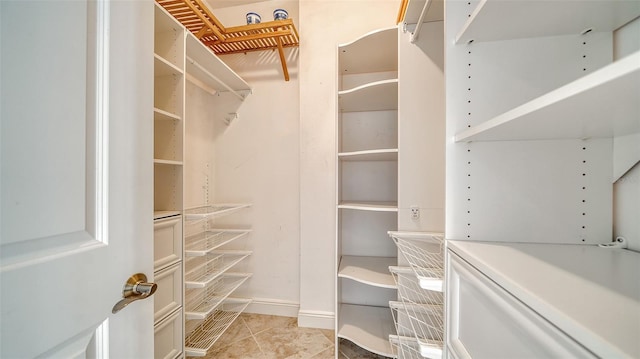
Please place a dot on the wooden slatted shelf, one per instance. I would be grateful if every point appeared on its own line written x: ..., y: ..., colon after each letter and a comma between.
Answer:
x: 271, y: 35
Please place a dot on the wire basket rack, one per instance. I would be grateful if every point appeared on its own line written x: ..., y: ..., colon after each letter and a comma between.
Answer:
x: 424, y: 251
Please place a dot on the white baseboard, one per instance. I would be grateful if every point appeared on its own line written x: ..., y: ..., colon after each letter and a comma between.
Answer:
x: 269, y: 306
x: 316, y: 319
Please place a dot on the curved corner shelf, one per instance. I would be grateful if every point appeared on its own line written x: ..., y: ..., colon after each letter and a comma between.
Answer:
x: 163, y: 67
x: 366, y: 326
x: 202, y: 334
x: 368, y: 270
x: 363, y: 55
x: 543, y: 18
x: 370, y: 206
x: 204, y: 243
x: 202, y: 302
x: 215, y: 210
x: 603, y: 103
x: 375, y: 96
x: 388, y: 154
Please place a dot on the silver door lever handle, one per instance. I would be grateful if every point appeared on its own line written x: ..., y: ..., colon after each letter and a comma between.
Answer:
x: 135, y: 288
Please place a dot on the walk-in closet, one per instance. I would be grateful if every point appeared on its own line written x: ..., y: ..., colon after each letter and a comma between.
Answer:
x: 320, y: 179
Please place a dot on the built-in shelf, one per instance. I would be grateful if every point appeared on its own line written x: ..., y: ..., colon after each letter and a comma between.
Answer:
x: 202, y: 302
x: 601, y: 104
x: 494, y: 20
x: 375, y: 96
x: 363, y: 55
x: 167, y: 162
x: 215, y: 210
x: 204, y: 243
x: 370, y: 206
x: 368, y: 327
x: 203, y: 64
x: 202, y: 334
x: 389, y: 154
x: 162, y: 67
x: 159, y: 114
x: 165, y: 214
x: 368, y: 270
x: 202, y: 271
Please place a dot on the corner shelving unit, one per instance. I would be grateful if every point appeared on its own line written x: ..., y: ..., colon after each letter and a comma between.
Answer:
x: 367, y: 207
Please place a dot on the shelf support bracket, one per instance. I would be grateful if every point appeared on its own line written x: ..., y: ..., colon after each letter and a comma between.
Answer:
x: 282, y: 59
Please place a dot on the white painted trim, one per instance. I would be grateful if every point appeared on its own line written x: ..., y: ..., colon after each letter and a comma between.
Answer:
x: 316, y: 319
x: 270, y: 306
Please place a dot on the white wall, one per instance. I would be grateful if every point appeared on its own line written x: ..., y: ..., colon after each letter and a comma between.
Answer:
x: 257, y: 161
x: 322, y: 26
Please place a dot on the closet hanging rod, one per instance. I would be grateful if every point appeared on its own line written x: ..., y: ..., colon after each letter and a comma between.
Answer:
x: 216, y: 79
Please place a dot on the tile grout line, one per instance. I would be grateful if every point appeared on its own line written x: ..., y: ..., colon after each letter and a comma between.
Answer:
x: 253, y: 336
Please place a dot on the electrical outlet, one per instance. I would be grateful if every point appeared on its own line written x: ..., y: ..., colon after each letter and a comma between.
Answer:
x: 415, y: 212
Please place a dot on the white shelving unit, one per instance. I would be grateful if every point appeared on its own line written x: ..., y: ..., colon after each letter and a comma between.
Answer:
x: 191, y: 252
x: 367, y: 157
x: 543, y: 133
x: 168, y: 120
x: 209, y: 284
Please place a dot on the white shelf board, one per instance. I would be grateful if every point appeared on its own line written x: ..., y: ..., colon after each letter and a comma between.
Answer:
x: 202, y: 63
x: 388, y: 154
x: 162, y: 67
x: 165, y: 214
x: 434, y: 12
x: 200, y: 305
x: 590, y: 293
x: 214, y: 210
x: 374, y: 96
x: 202, y: 271
x: 604, y: 103
x: 494, y: 20
x: 368, y: 270
x: 201, y: 335
x: 167, y: 162
x: 370, y: 206
x: 204, y: 243
x: 370, y: 53
x: 368, y: 327
x: 163, y: 115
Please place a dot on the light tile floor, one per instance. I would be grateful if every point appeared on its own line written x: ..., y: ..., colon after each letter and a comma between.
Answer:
x: 254, y: 336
